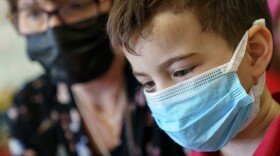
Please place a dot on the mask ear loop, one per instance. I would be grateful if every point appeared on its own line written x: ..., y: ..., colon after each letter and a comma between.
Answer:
x: 241, y: 49
x: 256, y: 90
x: 261, y: 82
x: 238, y: 54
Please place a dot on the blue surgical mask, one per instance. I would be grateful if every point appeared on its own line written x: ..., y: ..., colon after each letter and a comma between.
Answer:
x: 207, y: 111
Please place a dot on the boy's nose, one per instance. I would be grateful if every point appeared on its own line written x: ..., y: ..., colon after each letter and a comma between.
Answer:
x: 163, y: 85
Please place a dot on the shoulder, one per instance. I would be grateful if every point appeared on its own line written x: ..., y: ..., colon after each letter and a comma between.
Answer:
x: 31, y: 104
x: 270, y: 145
x: 33, y: 100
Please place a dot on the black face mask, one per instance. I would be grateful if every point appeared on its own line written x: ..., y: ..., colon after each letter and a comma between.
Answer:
x: 73, y: 55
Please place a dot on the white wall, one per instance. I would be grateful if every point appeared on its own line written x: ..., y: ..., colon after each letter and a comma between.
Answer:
x: 15, y: 66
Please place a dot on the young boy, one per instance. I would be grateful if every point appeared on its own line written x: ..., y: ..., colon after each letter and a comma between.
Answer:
x: 202, y: 64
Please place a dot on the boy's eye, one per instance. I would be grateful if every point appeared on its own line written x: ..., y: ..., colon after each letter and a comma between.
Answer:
x: 182, y: 72
x: 149, y: 86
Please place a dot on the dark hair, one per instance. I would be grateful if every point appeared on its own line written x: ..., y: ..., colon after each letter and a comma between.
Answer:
x: 12, y: 6
x: 227, y: 18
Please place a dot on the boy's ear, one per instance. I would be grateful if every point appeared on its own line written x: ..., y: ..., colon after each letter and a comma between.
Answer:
x: 259, y: 49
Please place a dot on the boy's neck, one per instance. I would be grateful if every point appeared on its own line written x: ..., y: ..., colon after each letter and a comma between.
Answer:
x: 247, y: 141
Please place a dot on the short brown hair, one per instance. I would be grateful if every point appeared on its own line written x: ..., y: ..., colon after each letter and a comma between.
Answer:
x: 227, y: 18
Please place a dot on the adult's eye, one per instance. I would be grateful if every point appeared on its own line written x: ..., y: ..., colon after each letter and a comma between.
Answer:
x: 34, y: 14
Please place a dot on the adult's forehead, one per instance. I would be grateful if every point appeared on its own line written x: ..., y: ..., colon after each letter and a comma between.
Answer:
x: 26, y: 3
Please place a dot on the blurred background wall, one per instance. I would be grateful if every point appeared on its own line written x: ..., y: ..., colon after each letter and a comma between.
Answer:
x: 15, y: 66
x: 15, y: 70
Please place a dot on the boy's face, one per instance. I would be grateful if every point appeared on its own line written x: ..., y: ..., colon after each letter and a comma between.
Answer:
x: 176, y: 49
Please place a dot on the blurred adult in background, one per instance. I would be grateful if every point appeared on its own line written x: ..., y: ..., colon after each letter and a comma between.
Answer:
x: 273, y: 74
x: 87, y: 102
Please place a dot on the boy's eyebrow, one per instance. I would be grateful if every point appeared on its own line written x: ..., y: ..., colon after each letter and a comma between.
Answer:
x: 137, y: 74
x: 173, y: 59
x: 166, y: 63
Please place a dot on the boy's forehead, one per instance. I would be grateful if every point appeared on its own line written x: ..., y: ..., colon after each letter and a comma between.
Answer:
x: 167, y: 27
x: 175, y: 24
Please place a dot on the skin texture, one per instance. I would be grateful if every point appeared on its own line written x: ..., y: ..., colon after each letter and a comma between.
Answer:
x: 173, y: 48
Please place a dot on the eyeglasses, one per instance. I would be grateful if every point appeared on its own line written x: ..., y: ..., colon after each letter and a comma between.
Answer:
x: 35, y: 19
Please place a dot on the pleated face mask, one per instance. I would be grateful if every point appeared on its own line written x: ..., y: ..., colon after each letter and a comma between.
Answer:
x: 205, y: 112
